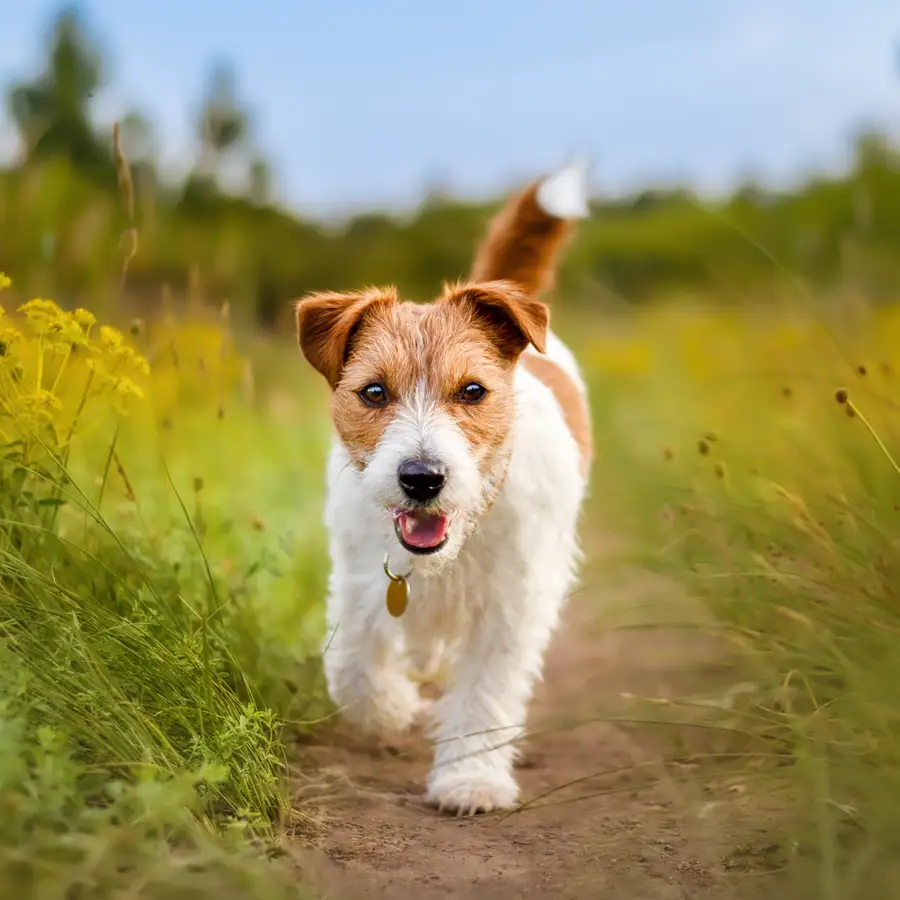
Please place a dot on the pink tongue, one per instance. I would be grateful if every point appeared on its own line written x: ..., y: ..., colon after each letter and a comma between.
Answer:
x: 420, y: 529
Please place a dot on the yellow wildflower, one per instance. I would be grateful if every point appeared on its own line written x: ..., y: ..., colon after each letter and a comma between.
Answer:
x: 10, y: 336
x: 44, y: 316
x: 136, y: 360
x: 98, y: 368
x: 36, y: 309
x: 125, y: 387
x: 84, y: 318
x: 40, y: 405
x: 5, y: 281
x: 111, y: 339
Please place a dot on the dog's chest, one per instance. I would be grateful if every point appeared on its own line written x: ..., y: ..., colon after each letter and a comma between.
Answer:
x: 444, y: 605
x: 448, y: 604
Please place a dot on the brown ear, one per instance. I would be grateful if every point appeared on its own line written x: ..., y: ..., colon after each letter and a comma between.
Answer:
x: 511, y: 318
x: 326, y: 323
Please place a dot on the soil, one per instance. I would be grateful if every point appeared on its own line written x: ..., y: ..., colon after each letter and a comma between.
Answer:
x: 637, y: 821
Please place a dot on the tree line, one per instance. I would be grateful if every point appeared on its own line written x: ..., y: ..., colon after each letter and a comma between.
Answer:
x: 66, y: 202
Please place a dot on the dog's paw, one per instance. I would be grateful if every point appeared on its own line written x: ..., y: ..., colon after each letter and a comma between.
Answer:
x: 390, y: 709
x: 470, y: 793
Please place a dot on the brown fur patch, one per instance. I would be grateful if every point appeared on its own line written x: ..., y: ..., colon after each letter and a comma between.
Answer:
x: 475, y: 332
x: 522, y: 244
x: 570, y: 399
x: 435, y: 350
x: 510, y: 318
x: 327, y: 322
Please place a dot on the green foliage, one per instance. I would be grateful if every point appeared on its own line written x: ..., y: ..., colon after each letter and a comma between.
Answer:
x: 62, y: 236
x: 149, y: 652
x: 53, y: 112
x: 755, y: 463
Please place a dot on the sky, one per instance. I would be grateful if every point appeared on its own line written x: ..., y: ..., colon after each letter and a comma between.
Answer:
x: 371, y: 103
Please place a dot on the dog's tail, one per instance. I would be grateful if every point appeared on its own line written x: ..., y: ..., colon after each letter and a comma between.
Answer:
x: 524, y: 239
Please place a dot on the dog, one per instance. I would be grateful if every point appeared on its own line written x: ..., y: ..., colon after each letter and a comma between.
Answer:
x: 458, y: 470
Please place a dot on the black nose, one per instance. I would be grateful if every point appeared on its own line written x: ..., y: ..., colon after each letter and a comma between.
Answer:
x: 421, y: 481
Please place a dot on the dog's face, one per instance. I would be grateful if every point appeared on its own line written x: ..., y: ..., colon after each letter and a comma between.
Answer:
x: 423, y: 401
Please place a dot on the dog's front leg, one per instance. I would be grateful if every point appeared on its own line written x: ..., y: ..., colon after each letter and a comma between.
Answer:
x: 484, y: 710
x: 365, y: 662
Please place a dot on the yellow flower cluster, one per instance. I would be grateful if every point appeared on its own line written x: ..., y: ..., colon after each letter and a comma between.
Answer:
x: 55, y: 361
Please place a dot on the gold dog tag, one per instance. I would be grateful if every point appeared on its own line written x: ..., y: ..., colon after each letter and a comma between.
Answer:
x: 397, y: 596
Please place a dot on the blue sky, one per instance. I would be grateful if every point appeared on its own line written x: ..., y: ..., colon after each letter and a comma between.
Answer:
x: 370, y: 102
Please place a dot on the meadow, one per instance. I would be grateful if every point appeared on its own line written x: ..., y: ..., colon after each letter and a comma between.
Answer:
x: 164, y: 566
x: 754, y: 461
x: 162, y: 582
x: 162, y: 553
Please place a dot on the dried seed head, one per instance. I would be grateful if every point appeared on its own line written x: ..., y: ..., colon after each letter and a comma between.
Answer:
x: 719, y: 469
x: 861, y: 370
x: 703, y: 448
x: 851, y: 412
x: 198, y: 484
x: 841, y: 395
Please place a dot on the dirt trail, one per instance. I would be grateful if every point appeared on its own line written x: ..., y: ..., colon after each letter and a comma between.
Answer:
x: 654, y: 834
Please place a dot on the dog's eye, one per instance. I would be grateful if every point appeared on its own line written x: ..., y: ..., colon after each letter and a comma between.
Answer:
x: 374, y: 395
x: 472, y: 392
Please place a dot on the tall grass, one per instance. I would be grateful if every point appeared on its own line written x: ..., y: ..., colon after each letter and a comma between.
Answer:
x: 757, y: 456
x: 147, y: 657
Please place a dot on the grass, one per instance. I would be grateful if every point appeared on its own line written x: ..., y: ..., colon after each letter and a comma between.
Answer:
x: 755, y: 455
x: 154, y: 622
x: 162, y: 566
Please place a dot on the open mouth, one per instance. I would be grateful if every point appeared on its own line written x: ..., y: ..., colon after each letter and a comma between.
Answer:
x: 421, y: 531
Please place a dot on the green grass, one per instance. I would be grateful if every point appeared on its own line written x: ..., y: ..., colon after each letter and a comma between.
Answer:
x: 162, y: 575
x: 161, y: 580
x: 753, y: 464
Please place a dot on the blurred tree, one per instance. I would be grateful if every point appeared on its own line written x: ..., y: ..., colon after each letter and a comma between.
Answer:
x: 52, y: 112
x: 260, y: 181
x: 223, y: 125
x: 137, y: 138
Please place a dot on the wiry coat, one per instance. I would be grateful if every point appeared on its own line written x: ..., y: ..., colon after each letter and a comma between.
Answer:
x: 485, y: 602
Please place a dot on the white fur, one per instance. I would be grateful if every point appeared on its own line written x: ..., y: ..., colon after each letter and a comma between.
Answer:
x: 487, y: 603
x: 564, y: 193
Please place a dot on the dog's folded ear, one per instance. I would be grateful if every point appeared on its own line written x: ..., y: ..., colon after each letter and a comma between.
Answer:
x: 510, y: 317
x: 327, y: 323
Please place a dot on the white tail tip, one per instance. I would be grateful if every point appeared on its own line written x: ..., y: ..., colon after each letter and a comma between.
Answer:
x: 564, y: 194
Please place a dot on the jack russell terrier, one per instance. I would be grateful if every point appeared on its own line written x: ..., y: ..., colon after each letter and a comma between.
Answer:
x: 455, y: 481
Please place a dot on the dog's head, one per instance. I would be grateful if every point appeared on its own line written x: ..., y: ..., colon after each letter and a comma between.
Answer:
x: 423, y: 400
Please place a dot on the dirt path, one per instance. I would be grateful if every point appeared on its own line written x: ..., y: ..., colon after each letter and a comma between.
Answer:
x: 656, y: 833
